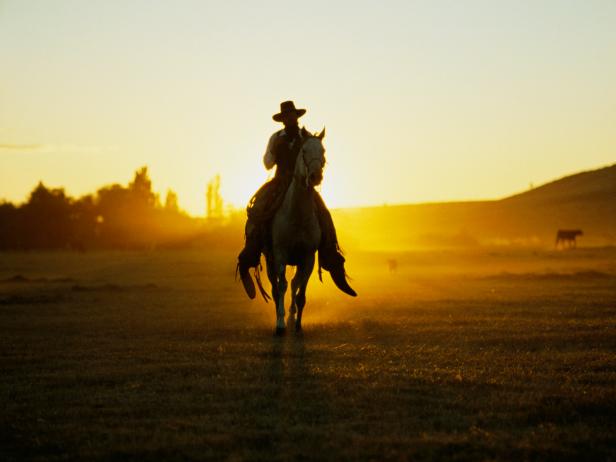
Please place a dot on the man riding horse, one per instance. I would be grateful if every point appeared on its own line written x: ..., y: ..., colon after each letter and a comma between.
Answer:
x: 282, y: 150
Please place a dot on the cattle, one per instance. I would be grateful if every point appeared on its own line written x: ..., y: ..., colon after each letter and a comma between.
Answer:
x: 566, y: 238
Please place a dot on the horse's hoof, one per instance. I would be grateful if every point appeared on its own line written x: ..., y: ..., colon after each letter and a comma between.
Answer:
x: 280, y: 331
x: 298, y: 328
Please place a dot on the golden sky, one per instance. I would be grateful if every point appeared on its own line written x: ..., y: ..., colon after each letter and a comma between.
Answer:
x: 423, y: 101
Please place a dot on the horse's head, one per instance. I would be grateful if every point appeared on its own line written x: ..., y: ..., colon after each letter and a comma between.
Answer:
x: 311, y: 158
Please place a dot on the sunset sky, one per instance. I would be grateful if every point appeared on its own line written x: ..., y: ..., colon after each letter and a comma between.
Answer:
x: 422, y: 100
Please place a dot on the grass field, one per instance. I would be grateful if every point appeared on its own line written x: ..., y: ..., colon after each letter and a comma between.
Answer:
x: 458, y: 355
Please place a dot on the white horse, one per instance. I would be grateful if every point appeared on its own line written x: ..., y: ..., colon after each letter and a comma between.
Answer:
x: 295, y: 231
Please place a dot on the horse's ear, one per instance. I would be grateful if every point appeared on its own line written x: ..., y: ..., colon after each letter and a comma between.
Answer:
x: 322, y: 134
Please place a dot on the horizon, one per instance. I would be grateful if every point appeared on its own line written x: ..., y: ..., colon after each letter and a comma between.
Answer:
x: 229, y: 207
x: 422, y: 103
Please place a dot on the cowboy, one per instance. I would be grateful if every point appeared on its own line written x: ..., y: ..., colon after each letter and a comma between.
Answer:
x: 282, y: 150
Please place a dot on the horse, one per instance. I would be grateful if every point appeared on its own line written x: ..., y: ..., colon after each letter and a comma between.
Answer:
x: 566, y: 237
x: 295, y: 231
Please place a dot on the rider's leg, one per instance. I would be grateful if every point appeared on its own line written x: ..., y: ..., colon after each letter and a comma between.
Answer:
x: 329, y: 254
x: 251, y: 253
x: 330, y: 257
x: 249, y: 257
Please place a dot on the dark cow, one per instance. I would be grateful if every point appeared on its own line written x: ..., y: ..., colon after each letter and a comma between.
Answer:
x: 566, y: 238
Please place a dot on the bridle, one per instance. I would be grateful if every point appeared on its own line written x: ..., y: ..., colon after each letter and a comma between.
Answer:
x: 300, y: 154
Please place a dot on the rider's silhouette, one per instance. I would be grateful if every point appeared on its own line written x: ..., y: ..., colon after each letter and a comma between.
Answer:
x: 282, y: 150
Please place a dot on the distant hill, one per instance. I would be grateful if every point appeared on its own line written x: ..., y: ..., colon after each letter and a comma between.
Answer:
x: 584, y: 200
x: 594, y: 185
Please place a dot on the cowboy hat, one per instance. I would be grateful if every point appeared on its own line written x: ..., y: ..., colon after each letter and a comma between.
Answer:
x: 287, y: 107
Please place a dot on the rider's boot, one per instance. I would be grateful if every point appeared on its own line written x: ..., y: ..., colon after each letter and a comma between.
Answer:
x: 330, y: 257
x: 249, y: 257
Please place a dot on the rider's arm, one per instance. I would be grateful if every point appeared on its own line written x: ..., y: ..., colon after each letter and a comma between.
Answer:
x: 268, y: 158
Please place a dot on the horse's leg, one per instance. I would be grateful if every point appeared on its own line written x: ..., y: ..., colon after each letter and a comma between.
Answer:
x: 303, y: 275
x: 295, y: 282
x: 272, y: 276
x: 293, y: 307
x: 282, y: 290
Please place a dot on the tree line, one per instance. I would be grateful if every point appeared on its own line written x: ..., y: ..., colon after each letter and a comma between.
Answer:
x: 115, y: 216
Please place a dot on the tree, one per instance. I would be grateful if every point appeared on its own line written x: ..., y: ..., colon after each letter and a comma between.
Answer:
x: 214, y: 199
x: 46, y: 218
x: 171, y: 202
x: 9, y: 226
x: 141, y: 189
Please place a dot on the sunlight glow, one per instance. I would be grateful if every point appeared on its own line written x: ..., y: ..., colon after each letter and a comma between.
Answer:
x: 422, y: 102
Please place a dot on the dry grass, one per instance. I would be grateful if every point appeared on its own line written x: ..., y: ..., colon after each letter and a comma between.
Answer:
x: 477, y: 355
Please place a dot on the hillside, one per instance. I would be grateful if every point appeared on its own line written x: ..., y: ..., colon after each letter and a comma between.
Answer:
x: 584, y: 200
x: 594, y: 185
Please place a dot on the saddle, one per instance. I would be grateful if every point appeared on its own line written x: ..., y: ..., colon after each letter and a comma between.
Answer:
x: 264, y: 204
